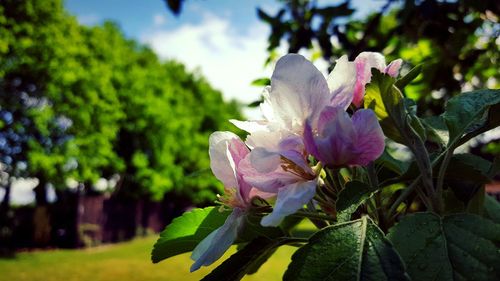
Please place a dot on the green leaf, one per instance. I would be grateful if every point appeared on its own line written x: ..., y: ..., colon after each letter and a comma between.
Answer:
x: 470, y: 167
x: 393, y: 164
x: 469, y: 112
x: 436, y: 130
x: 261, y: 82
x: 255, y: 103
x: 246, y: 260
x: 456, y: 247
x: 387, y: 102
x: 374, y: 92
x: 492, y: 208
x: 409, y: 77
x: 466, y: 175
x: 253, y: 229
x: 186, y: 231
x: 351, y: 197
x: 355, y: 250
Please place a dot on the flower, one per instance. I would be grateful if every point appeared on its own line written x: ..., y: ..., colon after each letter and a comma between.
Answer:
x: 226, y: 154
x: 304, y: 113
x: 299, y: 91
x: 282, y: 170
x: 278, y: 160
x: 364, y: 63
x: 343, y: 141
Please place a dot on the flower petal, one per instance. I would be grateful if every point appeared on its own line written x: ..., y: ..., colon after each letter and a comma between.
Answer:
x: 250, y: 126
x: 335, y: 142
x: 370, y: 137
x: 309, y: 140
x: 298, y: 90
x: 371, y: 60
x: 341, y: 82
x: 264, y: 161
x: 364, y: 63
x: 268, y: 139
x: 221, y: 161
x: 290, y: 199
x: 216, y: 244
x: 267, y: 182
x: 266, y: 107
x: 393, y: 68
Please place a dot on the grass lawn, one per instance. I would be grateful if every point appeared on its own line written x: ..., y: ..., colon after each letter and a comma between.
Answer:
x: 121, y: 262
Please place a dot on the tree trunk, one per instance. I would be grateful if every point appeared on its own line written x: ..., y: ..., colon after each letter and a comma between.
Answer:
x: 146, y: 210
x: 6, y: 227
x: 41, y: 217
x: 5, y: 205
x: 41, y: 191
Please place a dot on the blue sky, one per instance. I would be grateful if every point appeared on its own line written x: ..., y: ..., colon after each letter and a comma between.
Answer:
x: 136, y: 17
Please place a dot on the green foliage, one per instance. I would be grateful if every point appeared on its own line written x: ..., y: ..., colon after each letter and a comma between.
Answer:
x: 185, y: 232
x: 409, y: 77
x: 261, y: 82
x: 457, y: 49
x: 433, y: 203
x: 350, y: 251
x: 126, y: 112
x: 492, y: 209
x: 387, y: 102
x: 351, y: 197
x: 456, y: 247
x: 470, y: 112
x: 238, y: 265
x: 389, y: 162
x: 437, y: 245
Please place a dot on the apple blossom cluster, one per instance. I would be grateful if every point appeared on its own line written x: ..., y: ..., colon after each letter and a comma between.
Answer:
x: 310, y: 123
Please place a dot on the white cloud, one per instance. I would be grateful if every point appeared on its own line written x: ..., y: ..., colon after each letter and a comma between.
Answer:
x: 159, y: 19
x: 230, y: 60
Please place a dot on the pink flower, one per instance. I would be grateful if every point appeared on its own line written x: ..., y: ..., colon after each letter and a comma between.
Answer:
x: 299, y: 91
x: 343, y: 141
x: 278, y: 161
x: 226, y: 154
x: 281, y: 169
x: 364, y: 63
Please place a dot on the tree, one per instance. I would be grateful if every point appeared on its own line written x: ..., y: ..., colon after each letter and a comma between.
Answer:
x: 85, y: 103
x: 454, y: 40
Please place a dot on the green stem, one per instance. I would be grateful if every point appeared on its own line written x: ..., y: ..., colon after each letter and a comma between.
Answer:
x: 288, y: 240
x: 372, y: 176
x: 310, y: 215
x: 406, y: 192
x: 442, y: 172
x: 425, y: 200
x: 319, y: 223
x: 425, y: 166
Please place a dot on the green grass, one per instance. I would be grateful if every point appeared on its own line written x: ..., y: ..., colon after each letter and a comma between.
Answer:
x: 121, y: 262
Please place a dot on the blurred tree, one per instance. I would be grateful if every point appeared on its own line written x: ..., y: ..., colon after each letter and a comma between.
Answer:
x: 85, y: 103
x: 29, y: 123
x: 457, y: 41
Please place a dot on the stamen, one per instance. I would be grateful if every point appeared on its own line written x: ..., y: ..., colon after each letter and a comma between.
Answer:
x: 290, y: 166
x: 229, y: 199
